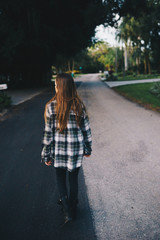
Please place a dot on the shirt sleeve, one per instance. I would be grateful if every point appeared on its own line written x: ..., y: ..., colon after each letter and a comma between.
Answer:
x: 47, y: 138
x: 87, y: 135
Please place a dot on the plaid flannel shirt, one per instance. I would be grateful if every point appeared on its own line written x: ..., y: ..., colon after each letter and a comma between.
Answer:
x: 66, y: 149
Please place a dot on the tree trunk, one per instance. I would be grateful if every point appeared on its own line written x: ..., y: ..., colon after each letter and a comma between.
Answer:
x: 145, y: 66
x: 149, y: 68
x: 69, y: 66
x: 116, y: 63
x: 125, y: 59
x: 72, y: 65
x: 148, y: 65
x: 138, y: 63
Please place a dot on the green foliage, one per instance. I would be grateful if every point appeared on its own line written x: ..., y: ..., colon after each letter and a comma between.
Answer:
x: 133, y: 7
x: 105, y: 55
x: 141, y: 31
x: 5, y: 101
x: 88, y: 63
x: 111, y: 77
x: 128, y: 76
x: 156, y: 89
x: 38, y: 34
x: 99, y: 56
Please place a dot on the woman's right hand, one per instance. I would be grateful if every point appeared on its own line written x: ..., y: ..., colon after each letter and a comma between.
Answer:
x: 49, y: 163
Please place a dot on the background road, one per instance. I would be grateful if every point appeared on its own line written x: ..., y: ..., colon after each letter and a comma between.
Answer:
x: 28, y: 191
x: 123, y: 174
x: 119, y: 184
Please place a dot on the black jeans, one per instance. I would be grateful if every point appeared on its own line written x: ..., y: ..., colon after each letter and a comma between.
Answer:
x: 61, y: 175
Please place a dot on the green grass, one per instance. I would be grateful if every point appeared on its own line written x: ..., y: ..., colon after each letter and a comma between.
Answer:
x: 5, y: 101
x: 140, y: 93
x: 138, y: 77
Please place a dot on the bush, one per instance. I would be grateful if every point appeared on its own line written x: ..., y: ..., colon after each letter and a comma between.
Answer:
x: 5, y: 101
x: 111, y: 78
x: 156, y: 89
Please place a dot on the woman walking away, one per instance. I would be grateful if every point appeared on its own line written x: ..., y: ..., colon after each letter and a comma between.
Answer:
x: 66, y: 140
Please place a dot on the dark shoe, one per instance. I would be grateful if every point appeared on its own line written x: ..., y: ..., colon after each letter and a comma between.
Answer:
x: 60, y: 204
x: 65, y: 208
x: 73, y: 207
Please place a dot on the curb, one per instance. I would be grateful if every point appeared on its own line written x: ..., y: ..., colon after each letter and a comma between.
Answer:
x: 112, y: 84
x: 5, y: 111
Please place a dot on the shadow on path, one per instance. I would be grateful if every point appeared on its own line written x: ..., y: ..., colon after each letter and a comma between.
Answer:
x: 28, y: 202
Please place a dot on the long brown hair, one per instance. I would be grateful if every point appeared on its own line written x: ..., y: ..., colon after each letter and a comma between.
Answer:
x: 67, y: 99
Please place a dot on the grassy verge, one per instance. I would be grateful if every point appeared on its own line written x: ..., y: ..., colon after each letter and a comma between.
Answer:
x: 5, y: 101
x: 140, y: 93
x: 137, y: 77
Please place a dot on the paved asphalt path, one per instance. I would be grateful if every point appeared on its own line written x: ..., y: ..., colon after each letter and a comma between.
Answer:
x: 28, y: 191
x: 119, y: 184
x: 123, y: 174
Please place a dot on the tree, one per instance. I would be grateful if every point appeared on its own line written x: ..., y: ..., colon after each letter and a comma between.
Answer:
x: 36, y: 34
x: 136, y: 33
x: 99, y: 56
x: 86, y: 63
x: 145, y: 34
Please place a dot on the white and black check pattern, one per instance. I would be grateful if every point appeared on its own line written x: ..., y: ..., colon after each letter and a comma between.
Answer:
x: 68, y: 148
